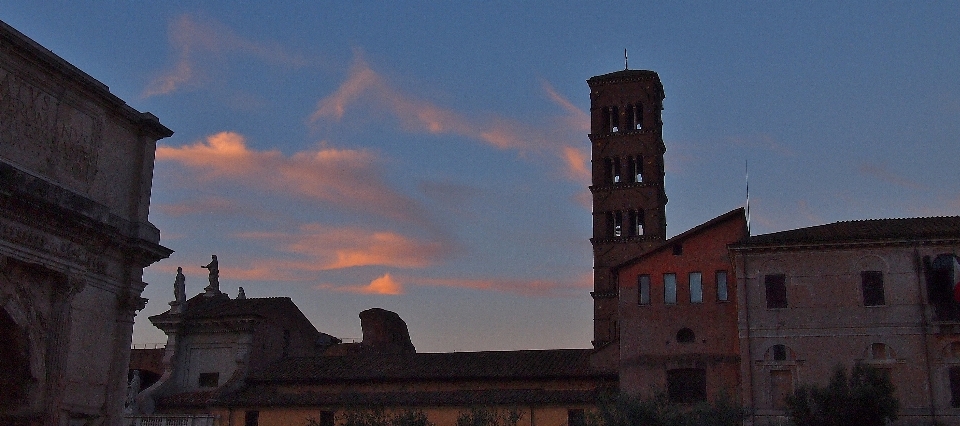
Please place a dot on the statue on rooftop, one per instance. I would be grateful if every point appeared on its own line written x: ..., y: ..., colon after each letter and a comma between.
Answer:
x: 214, y: 276
x: 179, y: 287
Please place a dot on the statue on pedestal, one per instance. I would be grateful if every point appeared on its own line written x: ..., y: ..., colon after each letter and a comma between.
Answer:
x: 214, y: 276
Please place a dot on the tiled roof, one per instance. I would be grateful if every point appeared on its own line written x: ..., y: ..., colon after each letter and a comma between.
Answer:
x: 269, y: 396
x: 186, y: 399
x: 864, y: 231
x: 502, y: 365
x: 735, y: 214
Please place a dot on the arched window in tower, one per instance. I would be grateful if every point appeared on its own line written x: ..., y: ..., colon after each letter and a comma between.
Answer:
x: 630, y: 115
x: 636, y: 222
x: 614, y: 119
x: 638, y: 116
x: 616, y: 175
x: 638, y: 170
x: 617, y: 224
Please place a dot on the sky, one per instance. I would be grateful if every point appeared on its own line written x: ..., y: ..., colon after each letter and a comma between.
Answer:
x: 432, y: 158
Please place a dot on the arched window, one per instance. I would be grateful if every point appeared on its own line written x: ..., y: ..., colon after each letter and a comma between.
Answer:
x: 638, y: 116
x: 685, y: 335
x: 614, y: 119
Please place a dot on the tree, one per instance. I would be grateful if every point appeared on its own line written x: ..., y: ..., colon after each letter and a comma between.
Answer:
x: 489, y: 417
x: 626, y: 410
x: 864, y: 399
x: 376, y: 417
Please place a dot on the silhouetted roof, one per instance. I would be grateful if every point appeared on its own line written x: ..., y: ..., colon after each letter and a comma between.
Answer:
x: 500, y: 365
x: 921, y: 229
x: 221, y: 306
x: 623, y: 75
x: 269, y: 396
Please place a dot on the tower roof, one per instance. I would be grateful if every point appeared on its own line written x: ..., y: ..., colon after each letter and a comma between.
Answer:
x: 622, y: 76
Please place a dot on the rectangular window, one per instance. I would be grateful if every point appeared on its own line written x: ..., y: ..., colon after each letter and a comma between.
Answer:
x: 696, y: 287
x: 670, y: 289
x: 327, y: 418
x: 722, y: 290
x: 576, y: 417
x: 776, y: 286
x: 209, y: 380
x: 643, y: 289
x: 251, y: 418
x: 872, y: 284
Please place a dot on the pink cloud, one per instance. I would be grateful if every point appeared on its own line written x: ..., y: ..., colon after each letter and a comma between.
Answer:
x: 883, y: 173
x: 364, y: 85
x: 383, y: 285
x: 342, y: 178
x: 526, y: 287
x: 197, y: 44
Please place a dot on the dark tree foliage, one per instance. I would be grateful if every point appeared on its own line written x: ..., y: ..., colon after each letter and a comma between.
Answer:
x: 864, y: 399
x: 489, y: 417
x: 624, y: 410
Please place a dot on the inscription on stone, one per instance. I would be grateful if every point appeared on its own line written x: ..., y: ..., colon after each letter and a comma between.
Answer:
x: 57, y: 247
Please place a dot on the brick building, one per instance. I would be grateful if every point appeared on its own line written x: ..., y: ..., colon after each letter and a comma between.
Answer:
x: 678, y: 314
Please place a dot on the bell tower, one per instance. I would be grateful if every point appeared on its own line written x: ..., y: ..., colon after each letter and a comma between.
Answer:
x: 629, y: 200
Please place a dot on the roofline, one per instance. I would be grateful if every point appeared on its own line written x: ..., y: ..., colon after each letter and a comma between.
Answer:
x: 56, y: 65
x: 731, y: 215
x: 781, y: 246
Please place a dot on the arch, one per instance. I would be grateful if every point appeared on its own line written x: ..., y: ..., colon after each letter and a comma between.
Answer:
x: 878, y: 352
x: 871, y: 262
x: 686, y: 335
x: 15, y: 377
x: 779, y: 353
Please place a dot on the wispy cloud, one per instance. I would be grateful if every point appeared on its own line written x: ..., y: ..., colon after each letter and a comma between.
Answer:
x: 200, y: 45
x: 545, y: 287
x: 342, y: 178
x: 321, y: 248
x: 382, y: 285
x: 364, y: 85
x: 883, y: 173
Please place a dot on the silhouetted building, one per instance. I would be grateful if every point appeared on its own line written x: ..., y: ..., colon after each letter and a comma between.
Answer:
x: 629, y: 200
x: 76, y: 165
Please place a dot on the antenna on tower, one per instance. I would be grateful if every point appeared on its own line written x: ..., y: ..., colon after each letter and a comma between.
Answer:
x: 746, y: 172
x: 625, y: 63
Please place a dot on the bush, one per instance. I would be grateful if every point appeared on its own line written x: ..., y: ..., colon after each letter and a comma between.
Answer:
x: 623, y: 410
x: 865, y: 399
x: 377, y: 417
x: 489, y: 417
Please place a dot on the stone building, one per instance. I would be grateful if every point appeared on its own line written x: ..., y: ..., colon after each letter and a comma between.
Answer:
x: 878, y: 291
x: 213, y: 344
x: 678, y: 315
x: 629, y: 201
x: 76, y: 165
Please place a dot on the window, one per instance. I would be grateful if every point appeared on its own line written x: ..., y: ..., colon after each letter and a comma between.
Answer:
x: 326, y: 418
x: 677, y: 249
x: 670, y: 289
x: 638, y: 116
x: 685, y: 335
x: 781, y: 385
x: 614, y: 119
x: 251, y: 418
x: 722, y: 291
x: 616, y: 170
x: 779, y: 353
x: 872, y: 284
x: 209, y: 380
x: 696, y: 287
x: 776, y: 286
x: 575, y: 417
x: 617, y: 224
x: 687, y: 385
x: 643, y: 289
x: 636, y: 222
x: 638, y: 170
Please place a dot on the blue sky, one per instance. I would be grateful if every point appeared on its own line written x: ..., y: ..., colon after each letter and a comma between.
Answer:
x: 430, y: 158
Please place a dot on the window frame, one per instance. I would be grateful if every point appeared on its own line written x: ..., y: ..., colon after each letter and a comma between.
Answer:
x: 643, y: 289
x: 872, y: 288
x: 670, y: 293
x: 690, y: 285
x: 775, y: 286
x: 725, y: 287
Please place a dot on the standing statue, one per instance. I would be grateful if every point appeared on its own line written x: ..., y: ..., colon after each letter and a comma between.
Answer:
x: 214, y: 277
x: 241, y: 294
x: 179, y: 287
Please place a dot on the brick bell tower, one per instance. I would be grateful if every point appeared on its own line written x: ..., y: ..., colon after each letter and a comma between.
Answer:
x: 629, y: 201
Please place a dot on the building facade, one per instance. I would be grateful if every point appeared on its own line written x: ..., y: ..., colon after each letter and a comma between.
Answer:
x: 629, y: 201
x: 678, y: 315
x: 879, y: 292
x: 76, y: 167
